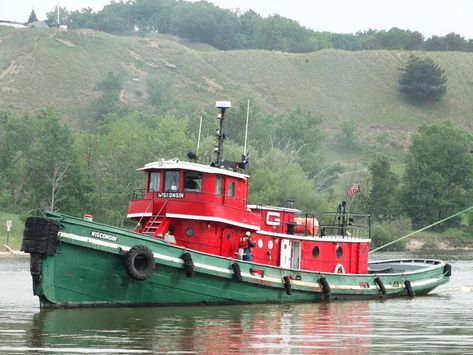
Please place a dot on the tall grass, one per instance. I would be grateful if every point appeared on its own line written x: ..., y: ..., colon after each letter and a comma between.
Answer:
x: 14, y: 239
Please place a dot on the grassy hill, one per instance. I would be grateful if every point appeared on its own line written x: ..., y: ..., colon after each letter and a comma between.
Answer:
x: 40, y: 68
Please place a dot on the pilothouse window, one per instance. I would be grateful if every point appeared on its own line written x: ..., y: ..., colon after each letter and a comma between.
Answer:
x: 154, y: 181
x: 171, y: 181
x: 193, y: 181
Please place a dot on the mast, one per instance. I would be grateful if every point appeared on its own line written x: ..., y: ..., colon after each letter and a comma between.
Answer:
x: 246, y: 128
x: 222, y: 106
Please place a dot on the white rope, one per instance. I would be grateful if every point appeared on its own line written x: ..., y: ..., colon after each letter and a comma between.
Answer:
x: 422, y: 229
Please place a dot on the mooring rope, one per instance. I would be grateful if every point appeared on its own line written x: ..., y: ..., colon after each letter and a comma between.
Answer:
x: 422, y: 229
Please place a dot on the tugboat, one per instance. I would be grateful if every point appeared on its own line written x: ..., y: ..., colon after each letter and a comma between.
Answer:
x: 198, y: 240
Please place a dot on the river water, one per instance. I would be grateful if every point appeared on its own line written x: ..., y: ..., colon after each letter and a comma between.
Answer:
x: 438, y: 323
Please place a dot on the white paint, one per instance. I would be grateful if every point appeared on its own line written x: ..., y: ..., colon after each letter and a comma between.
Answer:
x: 273, y: 218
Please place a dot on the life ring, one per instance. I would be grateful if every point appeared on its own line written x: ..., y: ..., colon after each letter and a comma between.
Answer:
x: 139, y: 262
x: 339, y: 269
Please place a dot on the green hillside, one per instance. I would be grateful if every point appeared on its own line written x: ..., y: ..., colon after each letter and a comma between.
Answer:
x: 40, y: 68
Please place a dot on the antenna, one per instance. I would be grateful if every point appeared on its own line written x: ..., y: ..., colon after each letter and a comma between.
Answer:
x: 200, y: 131
x: 246, y: 129
x: 222, y: 106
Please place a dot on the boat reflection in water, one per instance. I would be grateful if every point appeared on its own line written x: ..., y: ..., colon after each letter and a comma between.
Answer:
x: 303, y: 328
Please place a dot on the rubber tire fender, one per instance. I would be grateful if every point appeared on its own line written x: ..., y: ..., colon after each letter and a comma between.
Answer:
x: 287, y: 285
x: 380, y: 284
x: 236, y: 272
x: 327, y: 291
x: 139, y: 262
x: 188, y: 264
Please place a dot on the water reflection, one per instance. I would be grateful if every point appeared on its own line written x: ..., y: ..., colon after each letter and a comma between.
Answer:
x: 262, y: 328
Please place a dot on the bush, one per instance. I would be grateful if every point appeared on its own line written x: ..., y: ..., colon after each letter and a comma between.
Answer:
x: 422, y: 80
x: 383, y: 233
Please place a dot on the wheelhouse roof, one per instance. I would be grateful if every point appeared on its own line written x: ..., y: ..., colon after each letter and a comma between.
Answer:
x: 185, y: 165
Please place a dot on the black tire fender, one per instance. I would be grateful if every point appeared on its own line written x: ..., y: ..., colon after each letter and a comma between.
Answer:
x: 236, y: 272
x: 188, y: 264
x: 139, y: 262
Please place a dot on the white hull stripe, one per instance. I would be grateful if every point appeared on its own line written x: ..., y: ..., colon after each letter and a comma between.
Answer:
x: 175, y: 260
x: 347, y: 239
x: 212, y: 219
x: 132, y: 215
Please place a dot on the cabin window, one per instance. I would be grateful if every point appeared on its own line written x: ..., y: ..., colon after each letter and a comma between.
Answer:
x: 193, y: 181
x: 154, y: 181
x: 231, y: 189
x: 218, y: 185
x: 315, y: 251
x: 171, y: 181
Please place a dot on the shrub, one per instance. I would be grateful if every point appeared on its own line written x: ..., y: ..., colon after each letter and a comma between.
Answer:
x: 422, y: 80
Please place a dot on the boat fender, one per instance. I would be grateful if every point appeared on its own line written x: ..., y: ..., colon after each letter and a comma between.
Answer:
x: 409, y: 289
x: 447, y: 270
x: 380, y: 284
x: 139, y: 262
x: 40, y: 236
x: 325, y: 288
x: 35, y: 266
x: 287, y: 284
x: 236, y: 272
x: 188, y: 264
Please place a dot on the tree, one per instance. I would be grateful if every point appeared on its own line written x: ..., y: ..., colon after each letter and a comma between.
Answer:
x: 278, y: 177
x: 109, y: 101
x: 52, y: 17
x: 454, y: 42
x: 383, y: 190
x: 158, y: 92
x: 422, y: 80
x: 438, y: 179
x: 347, y: 140
x: 32, y: 17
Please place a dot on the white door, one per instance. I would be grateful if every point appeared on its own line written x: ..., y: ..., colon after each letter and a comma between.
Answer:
x: 286, y: 253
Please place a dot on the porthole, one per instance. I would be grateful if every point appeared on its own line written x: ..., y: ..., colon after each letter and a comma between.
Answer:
x: 260, y: 243
x: 339, y: 252
x: 270, y: 245
x: 229, y: 236
x: 315, y: 251
x: 189, y: 232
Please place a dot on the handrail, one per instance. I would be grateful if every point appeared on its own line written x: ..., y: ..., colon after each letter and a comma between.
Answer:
x: 156, y: 216
x: 141, y: 219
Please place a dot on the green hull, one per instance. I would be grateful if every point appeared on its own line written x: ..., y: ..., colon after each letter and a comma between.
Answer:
x: 91, y: 271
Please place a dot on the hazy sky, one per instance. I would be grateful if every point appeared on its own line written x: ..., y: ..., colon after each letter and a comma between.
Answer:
x: 429, y: 17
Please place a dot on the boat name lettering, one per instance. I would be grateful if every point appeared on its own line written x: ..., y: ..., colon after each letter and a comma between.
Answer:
x: 105, y: 236
x: 364, y: 284
x: 171, y: 194
x: 273, y: 218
